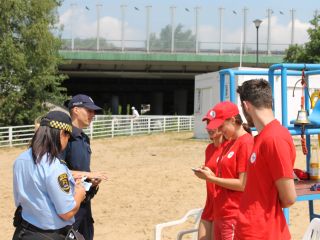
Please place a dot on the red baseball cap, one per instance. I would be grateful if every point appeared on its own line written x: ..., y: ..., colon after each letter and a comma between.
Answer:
x: 219, y: 113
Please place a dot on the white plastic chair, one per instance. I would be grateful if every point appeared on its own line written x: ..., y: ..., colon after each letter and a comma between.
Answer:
x: 195, y: 213
x: 313, y: 230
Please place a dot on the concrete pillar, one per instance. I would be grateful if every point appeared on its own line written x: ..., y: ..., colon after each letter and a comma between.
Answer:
x: 137, y: 102
x: 104, y: 102
x: 124, y: 102
x: 115, y: 104
x: 157, y: 103
x: 180, y: 100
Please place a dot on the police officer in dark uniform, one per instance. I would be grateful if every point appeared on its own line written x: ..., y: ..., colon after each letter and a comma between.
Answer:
x: 78, y: 156
x: 45, y: 193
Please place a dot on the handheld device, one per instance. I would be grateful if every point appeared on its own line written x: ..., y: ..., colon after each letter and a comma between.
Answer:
x: 195, y: 169
x: 86, y: 184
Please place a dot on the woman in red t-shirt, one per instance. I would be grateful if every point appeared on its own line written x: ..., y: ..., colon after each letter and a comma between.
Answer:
x: 229, y: 177
x: 212, y: 152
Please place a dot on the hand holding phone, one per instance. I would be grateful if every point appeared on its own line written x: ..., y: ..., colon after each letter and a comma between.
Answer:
x: 85, y: 184
x: 195, y: 169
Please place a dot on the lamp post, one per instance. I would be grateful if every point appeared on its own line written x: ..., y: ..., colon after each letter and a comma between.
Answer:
x: 148, y: 9
x: 257, y: 23
x: 98, y: 26
x: 123, y: 12
x: 173, y: 9
x: 73, y: 5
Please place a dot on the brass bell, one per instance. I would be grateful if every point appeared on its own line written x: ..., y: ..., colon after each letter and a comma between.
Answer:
x: 302, y: 118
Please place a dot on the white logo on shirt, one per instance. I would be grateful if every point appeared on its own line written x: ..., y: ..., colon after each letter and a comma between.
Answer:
x: 253, y: 157
x: 213, y: 114
x: 230, y: 154
x: 218, y: 159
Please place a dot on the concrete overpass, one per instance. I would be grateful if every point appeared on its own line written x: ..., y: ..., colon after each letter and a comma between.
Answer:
x: 164, y: 80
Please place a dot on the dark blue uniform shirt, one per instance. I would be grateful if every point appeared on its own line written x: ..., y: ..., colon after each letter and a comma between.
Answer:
x: 77, y: 155
x: 78, y: 151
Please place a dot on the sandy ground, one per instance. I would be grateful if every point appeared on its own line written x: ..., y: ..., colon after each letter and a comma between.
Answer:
x: 150, y: 181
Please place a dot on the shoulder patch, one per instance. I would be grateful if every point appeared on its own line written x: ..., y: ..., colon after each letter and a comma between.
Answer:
x: 64, y: 182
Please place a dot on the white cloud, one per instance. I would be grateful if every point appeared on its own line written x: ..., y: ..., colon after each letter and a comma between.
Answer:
x: 280, y: 35
x: 110, y: 28
x: 208, y: 33
x: 65, y: 17
x: 301, y: 35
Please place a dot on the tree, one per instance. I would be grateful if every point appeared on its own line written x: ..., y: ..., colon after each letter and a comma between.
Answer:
x: 184, y: 40
x: 310, y: 51
x: 29, y: 60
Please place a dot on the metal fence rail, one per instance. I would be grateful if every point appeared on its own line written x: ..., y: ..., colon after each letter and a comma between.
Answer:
x: 104, y: 126
x: 180, y: 47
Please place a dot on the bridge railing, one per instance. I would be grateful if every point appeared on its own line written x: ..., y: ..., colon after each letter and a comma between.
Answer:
x: 165, y: 46
x: 104, y: 126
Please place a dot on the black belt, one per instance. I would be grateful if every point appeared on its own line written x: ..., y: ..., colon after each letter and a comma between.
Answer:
x: 33, y: 228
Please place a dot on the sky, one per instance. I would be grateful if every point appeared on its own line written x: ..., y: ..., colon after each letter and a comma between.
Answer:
x: 79, y: 17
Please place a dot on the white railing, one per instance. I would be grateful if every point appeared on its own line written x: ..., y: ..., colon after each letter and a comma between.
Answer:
x: 104, y: 126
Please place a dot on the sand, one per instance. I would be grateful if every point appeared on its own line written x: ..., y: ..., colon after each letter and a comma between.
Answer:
x: 150, y: 182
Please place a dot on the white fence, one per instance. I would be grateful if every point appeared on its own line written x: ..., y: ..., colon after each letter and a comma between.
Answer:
x: 104, y: 126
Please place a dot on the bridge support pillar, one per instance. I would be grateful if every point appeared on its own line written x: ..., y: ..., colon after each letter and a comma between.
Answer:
x: 137, y: 102
x: 157, y: 103
x: 124, y: 103
x: 115, y: 104
x: 180, y: 101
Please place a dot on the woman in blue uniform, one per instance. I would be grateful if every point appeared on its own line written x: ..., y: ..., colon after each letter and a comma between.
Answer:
x: 43, y: 185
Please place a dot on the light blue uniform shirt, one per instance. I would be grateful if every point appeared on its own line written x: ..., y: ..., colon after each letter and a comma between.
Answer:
x: 43, y: 190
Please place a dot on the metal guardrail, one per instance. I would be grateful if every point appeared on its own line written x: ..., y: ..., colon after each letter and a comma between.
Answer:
x: 104, y: 126
x: 165, y: 47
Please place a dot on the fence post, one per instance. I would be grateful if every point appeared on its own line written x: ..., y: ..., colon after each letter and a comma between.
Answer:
x: 190, y: 123
x: 10, y: 136
x: 91, y: 130
x: 131, y: 126
x: 149, y: 125
x: 112, y: 128
x: 164, y: 124
x: 178, y: 124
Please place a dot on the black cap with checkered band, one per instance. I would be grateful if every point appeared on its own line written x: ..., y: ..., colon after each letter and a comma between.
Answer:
x: 57, y: 119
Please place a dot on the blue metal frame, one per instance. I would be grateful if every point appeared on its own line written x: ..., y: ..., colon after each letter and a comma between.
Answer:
x: 232, y: 73
x: 283, y: 69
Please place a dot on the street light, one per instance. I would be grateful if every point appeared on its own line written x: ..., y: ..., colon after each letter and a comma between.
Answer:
x: 257, y: 23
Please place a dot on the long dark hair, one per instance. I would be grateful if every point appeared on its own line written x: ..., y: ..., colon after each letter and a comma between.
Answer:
x: 46, y: 141
x: 244, y: 125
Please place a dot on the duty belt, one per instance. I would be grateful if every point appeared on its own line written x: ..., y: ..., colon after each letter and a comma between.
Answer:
x: 33, y: 228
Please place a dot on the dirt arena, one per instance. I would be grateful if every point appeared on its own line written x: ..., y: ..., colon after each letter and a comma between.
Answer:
x: 150, y: 181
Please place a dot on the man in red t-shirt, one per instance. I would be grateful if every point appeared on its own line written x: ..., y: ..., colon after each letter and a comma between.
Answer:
x: 270, y: 185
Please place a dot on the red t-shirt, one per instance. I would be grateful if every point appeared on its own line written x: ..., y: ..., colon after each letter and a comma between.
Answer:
x: 232, y: 161
x: 272, y: 158
x: 212, y: 154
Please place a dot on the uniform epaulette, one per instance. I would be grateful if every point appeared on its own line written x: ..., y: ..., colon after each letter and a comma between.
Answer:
x: 63, y: 161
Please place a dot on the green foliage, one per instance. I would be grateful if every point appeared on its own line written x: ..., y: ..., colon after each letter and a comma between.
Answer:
x: 184, y: 40
x: 295, y: 54
x: 310, y: 51
x: 29, y: 60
